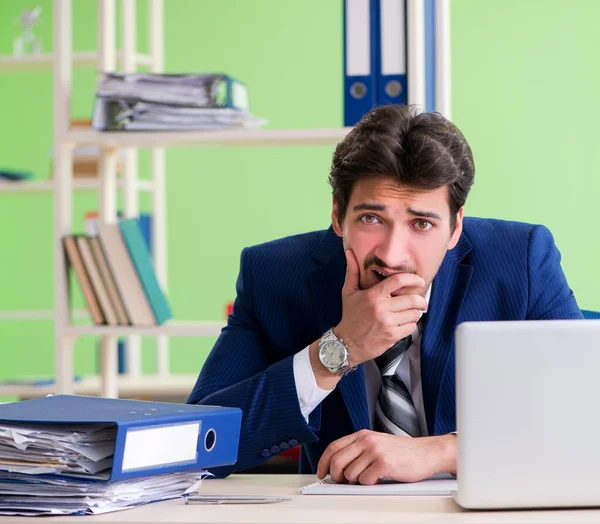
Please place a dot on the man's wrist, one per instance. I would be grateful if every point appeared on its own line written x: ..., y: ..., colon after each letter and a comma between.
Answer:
x: 324, y: 378
x: 447, y: 453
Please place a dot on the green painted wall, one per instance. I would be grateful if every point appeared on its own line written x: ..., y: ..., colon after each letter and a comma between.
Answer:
x: 524, y: 81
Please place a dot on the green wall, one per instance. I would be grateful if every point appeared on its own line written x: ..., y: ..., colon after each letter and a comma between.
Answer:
x: 524, y: 81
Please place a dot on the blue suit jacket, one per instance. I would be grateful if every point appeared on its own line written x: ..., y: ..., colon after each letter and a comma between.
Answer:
x: 289, y: 294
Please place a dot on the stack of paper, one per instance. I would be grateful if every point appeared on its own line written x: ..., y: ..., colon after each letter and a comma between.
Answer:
x: 87, y: 450
x: 147, y: 101
x: 49, y: 469
x: 22, y: 494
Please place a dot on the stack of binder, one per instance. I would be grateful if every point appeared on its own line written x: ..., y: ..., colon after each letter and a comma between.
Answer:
x: 66, y: 454
x: 152, y: 102
x: 116, y: 274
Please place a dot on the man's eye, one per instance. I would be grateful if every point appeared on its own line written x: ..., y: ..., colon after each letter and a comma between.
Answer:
x: 369, y: 219
x: 423, y: 225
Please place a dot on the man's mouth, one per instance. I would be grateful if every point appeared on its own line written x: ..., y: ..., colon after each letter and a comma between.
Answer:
x: 382, y: 275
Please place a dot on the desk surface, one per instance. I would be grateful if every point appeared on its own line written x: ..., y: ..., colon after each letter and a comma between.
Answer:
x: 312, y: 508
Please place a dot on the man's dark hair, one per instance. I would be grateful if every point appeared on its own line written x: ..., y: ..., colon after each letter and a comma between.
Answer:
x: 421, y: 150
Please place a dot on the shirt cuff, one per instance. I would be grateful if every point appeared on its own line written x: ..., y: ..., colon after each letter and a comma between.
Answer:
x: 309, y: 394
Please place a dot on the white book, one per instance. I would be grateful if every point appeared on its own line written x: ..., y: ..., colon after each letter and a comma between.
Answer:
x: 438, y: 486
x: 109, y: 281
x: 92, y: 270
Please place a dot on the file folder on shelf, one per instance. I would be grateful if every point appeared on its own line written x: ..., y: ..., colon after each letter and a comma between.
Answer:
x: 430, y: 66
x: 359, y: 59
x: 390, y: 44
x: 150, y: 438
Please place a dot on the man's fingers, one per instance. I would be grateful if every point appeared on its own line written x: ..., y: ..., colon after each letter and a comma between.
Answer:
x: 395, y: 282
x: 353, y: 470
x: 407, y: 302
x: 342, y: 459
x: 352, y: 272
x: 372, y: 474
x: 336, y: 446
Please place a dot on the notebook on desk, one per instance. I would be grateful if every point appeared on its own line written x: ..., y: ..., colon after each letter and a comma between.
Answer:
x: 438, y: 486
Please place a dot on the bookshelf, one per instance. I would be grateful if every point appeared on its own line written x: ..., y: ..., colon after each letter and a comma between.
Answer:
x: 107, y: 58
x: 45, y: 61
x: 83, y: 184
x: 110, y: 384
x: 229, y: 138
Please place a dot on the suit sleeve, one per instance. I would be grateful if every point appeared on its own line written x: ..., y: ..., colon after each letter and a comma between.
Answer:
x: 239, y: 373
x: 549, y: 294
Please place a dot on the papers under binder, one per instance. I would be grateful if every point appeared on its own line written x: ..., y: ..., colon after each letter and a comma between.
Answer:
x: 111, y: 114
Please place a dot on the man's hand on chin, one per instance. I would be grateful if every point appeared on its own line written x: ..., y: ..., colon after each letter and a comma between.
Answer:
x: 368, y: 456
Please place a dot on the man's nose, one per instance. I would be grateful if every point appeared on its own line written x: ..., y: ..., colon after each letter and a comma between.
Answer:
x: 394, y: 250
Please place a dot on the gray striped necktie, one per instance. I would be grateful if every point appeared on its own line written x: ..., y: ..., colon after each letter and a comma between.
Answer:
x: 394, y: 411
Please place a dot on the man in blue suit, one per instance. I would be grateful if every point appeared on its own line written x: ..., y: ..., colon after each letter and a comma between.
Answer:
x: 343, y: 340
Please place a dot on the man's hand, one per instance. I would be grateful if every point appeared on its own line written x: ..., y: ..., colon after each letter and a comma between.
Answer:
x: 373, y: 319
x: 368, y: 456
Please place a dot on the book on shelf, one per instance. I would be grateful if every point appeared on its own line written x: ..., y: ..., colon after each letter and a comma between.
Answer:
x: 114, y: 269
x: 75, y: 262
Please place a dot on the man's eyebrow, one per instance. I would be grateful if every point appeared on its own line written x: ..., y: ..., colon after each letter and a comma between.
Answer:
x: 425, y: 214
x: 368, y: 206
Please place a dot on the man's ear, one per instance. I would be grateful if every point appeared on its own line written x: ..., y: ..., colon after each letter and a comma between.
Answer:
x: 335, y: 222
x: 457, y: 229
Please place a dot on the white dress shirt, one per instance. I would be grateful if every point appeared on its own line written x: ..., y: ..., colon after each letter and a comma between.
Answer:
x: 409, y: 369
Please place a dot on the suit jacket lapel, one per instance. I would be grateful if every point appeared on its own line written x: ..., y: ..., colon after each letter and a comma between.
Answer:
x: 325, y: 282
x: 449, y: 288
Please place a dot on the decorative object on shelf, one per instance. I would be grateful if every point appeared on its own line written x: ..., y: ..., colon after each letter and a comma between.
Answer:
x: 27, y: 43
x: 152, y: 102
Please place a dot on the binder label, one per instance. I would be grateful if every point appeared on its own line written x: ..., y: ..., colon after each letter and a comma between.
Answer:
x: 160, y: 446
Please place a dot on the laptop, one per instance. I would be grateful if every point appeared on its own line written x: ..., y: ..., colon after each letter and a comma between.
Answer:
x: 528, y: 414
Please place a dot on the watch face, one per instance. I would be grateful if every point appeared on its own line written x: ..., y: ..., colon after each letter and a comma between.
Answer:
x: 332, y: 354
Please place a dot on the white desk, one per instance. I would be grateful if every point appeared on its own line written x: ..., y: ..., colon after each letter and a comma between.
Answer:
x: 313, y: 509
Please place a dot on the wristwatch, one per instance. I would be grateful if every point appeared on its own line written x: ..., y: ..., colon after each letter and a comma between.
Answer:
x: 333, y: 354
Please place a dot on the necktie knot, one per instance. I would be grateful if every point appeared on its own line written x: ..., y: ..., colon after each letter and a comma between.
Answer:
x: 392, y: 355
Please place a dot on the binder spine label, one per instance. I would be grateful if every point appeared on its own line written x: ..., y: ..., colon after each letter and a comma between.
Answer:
x: 167, y: 445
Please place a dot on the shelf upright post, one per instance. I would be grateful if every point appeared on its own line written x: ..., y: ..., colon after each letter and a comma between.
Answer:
x: 63, y: 181
x: 443, y: 101
x: 415, y: 11
x: 130, y: 188
x: 158, y: 166
x: 108, y: 187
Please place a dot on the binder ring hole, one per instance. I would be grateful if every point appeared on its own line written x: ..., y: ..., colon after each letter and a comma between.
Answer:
x: 393, y: 88
x: 358, y: 90
x: 210, y: 439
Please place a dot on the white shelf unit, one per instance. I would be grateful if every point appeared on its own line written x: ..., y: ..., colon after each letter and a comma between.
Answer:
x: 45, y: 61
x: 65, y: 139
x: 83, y: 184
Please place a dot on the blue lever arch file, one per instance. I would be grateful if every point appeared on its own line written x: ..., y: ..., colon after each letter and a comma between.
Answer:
x: 390, y: 50
x: 151, y: 438
x: 359, y: 59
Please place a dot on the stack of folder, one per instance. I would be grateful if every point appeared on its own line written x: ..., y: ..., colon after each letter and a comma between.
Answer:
x: 64, y: 455
x: 117, y: 277
x: 152, y: 102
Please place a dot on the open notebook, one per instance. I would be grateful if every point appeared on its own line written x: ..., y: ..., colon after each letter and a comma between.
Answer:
x: 438, y: 486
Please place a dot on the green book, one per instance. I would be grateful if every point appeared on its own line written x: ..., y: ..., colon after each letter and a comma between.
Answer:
x: 142, y: 261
